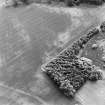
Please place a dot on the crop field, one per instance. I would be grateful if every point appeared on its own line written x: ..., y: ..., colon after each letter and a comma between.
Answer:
x: 31, y: 36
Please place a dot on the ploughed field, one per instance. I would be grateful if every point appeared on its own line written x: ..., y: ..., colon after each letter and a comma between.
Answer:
x: 32, y: 35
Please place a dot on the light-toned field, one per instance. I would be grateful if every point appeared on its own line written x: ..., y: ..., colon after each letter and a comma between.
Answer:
x: 30, y: 36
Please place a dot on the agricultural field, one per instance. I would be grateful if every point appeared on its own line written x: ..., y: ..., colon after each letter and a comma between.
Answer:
x: 32, y: 35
